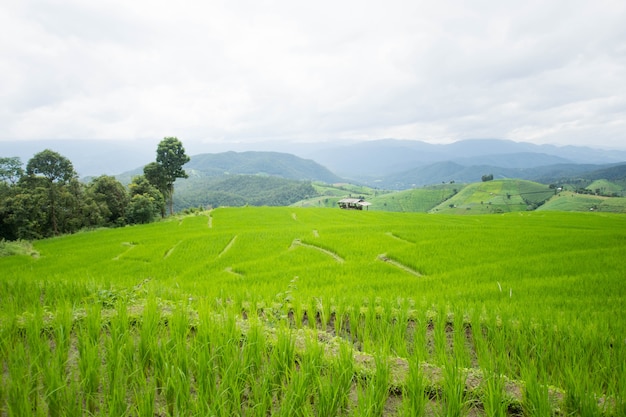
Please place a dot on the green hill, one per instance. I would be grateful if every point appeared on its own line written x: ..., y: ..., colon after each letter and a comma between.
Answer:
x: 490, y: 197
x: 612, y: 173
x: 415, y: 200
x: 570, y: 201
x: 261, y: 163
x: 607, y: 188
x: 327, y: 195
x: 239, y: 190
x: 499, y: 196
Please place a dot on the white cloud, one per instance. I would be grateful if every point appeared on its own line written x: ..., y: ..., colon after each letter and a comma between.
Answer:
x: 532, y: 71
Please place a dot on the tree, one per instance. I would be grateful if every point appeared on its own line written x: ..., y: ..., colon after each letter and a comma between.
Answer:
x: 52, y: 166
x: 21, y: 214
x: 57, y: 171
x: 111, y: 198
x: 488, y: 177
x: 146, y: 201
x: 11, y: 169
x: 168, y: 167
x: 153, y: 173
x: 142, y: 209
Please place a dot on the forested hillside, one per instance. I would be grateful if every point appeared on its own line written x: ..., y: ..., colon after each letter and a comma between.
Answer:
x: 260, y: 163
x: 240, y: 190
x: 47, y: 199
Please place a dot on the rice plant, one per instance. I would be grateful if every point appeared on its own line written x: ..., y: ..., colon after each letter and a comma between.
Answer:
x: 373, y: 390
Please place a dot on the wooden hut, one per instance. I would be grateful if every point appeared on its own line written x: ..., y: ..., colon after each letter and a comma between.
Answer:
x: 353, y: 204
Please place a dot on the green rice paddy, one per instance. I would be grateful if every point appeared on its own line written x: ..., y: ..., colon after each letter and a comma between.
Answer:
x: 316, y: 312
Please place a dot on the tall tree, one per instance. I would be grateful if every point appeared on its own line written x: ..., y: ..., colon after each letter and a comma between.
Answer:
x: 170, y: 159
x: 153, y: 173
x: 57, y: 171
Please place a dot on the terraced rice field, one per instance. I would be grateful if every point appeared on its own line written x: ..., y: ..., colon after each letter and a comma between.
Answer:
x: 318, y: 312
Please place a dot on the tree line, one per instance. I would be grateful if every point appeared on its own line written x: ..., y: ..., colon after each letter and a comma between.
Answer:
x: 46, y: 198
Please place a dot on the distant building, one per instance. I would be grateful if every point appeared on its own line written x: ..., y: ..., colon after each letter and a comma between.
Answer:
x: 353, y: 204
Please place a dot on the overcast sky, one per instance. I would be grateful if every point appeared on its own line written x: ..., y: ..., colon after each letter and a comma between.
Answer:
x: 439, y: 71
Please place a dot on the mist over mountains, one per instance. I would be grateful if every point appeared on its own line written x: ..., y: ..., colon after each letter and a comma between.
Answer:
x: 385, y: 163
x: 387, y: 156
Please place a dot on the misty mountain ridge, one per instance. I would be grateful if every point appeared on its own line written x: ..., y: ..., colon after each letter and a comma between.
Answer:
x: 385, y: 163
x: 385, y: 157
x: 278, y: 164
x: 448, y: 171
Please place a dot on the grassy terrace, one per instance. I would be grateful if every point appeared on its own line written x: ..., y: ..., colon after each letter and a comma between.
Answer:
x: 304, y: 311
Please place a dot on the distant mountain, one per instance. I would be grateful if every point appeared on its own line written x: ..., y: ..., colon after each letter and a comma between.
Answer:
x: 275, y: 164
x: 89, y: 157
x: 386, y: 163
x: 451, y: 171
x: 255, y: 178
x: 613, y: 173
x: 513, y: 160
x: 389, y: 156
x: 261, y: 163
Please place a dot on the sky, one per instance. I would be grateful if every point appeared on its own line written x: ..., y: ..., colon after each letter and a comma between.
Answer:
x: 249, y: 71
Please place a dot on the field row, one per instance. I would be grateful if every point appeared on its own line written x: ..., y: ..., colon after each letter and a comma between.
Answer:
x: 156, y: 358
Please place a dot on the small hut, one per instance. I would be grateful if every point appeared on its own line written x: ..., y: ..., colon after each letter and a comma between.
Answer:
x: 353, y: 204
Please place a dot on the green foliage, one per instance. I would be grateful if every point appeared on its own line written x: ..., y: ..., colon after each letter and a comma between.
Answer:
x: 52, y: 166
x: 111, y: 198
x: 50, y: 200
x: 11, y: 169
x: 171, y: 157
x: 20, y: 247
x: 146, y: 201
x: 24, y: 213
x: 168, y: 167
x: 59, y: 172
x: 240, y: 190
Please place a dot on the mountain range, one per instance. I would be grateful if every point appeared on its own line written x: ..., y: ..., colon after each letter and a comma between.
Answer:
x: 385, y: 163
x: 381, y: 158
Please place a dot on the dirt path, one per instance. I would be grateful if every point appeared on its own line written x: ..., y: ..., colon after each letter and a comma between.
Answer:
x: 383, y: 257
x: 390, y: 234
x: 170, y: 250
x: 130, y: 245
x: 298, y: 242
x: 228, y: 246
x: 230, y: 270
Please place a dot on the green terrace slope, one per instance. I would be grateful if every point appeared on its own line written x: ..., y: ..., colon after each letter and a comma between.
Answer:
x: 250, y: 252
x: 608, y: 188
x: 415, y: 200
x: 499, y: 196
x: 418, y: 200
x: 237, y: 310
x: 569, y: 201
x: 490, y: 197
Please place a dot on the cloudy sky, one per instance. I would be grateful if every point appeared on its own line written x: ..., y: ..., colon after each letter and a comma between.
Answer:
x: 219, y: 71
